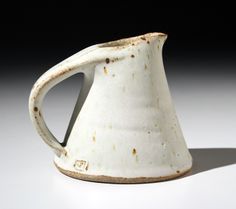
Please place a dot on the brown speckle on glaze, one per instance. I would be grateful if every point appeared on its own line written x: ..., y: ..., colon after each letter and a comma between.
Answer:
x: 39, y: 113
x: 36, y: 109
x: 115, y: 59
x: 158, y: 103
x: 94, y: 137
x: 134, y: 152
x: 143, y: 38
x: 148, y: 42
x: 113, y: 75
x: 149, y: 132
x: 177, y: 171
x: 132, y: 55
x: 105, y: 70
x: 133, y: 76
x: 65, y: 153
x: 145, y: 67
x: 107, y: 60
x: 86, y: 168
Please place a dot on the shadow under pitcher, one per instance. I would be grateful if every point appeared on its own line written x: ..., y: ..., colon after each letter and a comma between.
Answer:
x: 124, y: 127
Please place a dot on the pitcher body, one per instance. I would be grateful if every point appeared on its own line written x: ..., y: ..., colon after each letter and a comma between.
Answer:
x: 124, y: 127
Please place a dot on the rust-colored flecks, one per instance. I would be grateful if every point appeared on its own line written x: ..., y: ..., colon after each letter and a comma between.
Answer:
x: 65, y: 153
x: 134, y: 153
x: 115, y: 59
x: 158, y: 103
x: 133, y: 75
x: 94, y: 137
x: 107, y: 60
x: 105, y: 70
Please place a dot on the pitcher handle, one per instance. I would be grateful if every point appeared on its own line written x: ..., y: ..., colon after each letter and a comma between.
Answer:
x: 48, y: 80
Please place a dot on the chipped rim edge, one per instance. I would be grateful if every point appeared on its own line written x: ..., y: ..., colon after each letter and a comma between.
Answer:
x: 119, y: 180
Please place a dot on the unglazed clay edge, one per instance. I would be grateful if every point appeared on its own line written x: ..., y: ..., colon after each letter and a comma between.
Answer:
x: 119, y: 180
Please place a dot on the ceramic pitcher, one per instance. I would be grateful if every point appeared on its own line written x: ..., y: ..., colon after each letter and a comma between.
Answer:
x: 124, y: 127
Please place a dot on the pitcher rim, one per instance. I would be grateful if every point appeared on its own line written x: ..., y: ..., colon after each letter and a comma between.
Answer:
x: 131, y: 41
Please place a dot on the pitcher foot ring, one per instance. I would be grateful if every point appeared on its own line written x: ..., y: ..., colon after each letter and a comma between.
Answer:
x: 118, y: 180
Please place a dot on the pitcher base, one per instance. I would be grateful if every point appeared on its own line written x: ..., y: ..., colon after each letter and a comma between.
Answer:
x: 118, y: 180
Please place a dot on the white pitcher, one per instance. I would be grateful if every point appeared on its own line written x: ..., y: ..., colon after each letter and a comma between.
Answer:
x: 124, y: 127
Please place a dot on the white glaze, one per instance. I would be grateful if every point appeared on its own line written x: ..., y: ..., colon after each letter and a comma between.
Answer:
x: 127, y: 125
